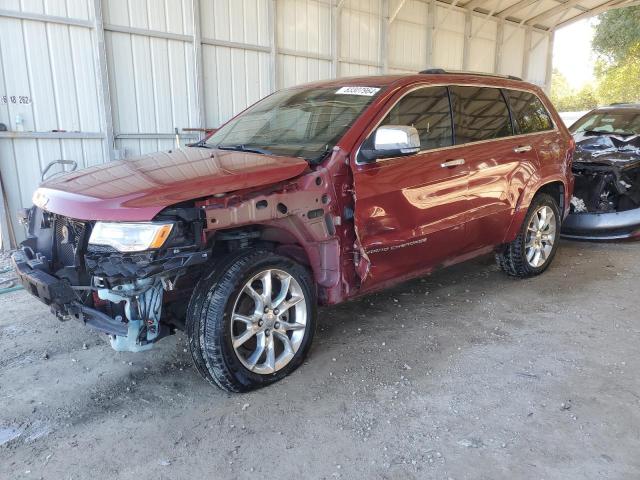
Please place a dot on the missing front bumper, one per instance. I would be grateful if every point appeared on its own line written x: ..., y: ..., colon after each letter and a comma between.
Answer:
x: 61, y: 298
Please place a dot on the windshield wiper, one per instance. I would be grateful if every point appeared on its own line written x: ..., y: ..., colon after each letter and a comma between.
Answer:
x: 245, y: 148
x: 604, y: 132
x: 624, y: 134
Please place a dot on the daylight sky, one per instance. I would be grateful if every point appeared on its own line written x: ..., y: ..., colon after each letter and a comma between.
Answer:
x: 572, y: 53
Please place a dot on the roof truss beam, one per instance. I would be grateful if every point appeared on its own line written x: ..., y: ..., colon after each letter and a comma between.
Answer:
x: 551, y: 12
x: 609, y: 5
x: 516, y: 7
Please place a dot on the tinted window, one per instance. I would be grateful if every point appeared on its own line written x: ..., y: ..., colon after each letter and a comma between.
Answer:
x: 426, y: 109
x: 528, y: 112
x: 479, y: 113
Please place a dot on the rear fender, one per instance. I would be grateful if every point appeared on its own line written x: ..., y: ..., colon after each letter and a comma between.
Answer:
x: 534, y: 185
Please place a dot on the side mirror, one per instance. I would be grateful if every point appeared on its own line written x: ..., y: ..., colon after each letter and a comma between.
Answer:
x: 391, y: 141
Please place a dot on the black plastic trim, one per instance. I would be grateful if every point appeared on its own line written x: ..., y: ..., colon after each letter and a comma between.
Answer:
x: 602, y: 226
x: 59, y: 295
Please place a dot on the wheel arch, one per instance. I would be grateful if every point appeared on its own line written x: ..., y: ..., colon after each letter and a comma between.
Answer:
x: 556, y: 187
x: 557, y: 190
x: 319, y: 253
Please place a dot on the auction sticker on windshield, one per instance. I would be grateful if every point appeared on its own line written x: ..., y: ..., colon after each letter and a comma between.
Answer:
x: 364, y: 91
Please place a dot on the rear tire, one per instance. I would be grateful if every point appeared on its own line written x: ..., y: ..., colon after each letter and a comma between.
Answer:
x: 251, y: 321
x: 533, y: 250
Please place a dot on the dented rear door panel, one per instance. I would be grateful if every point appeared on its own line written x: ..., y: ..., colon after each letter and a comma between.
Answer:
x: 499, y: 171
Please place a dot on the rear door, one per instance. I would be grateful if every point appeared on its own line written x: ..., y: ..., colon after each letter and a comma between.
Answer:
x: 535, y: 128
x: 485, y: 133
x: 410, y: 210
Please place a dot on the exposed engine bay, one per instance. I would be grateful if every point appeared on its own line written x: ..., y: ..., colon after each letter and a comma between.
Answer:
x: 607, y: 173
x: 120, y: 294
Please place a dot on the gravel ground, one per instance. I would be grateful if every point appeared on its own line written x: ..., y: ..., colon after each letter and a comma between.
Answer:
x: 466, y: 374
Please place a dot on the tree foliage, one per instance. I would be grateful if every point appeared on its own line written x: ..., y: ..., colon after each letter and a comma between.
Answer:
x: 620, y: 82
x: 617, y: 40
x: 617, y: 32
x: 567, y: 99
x: 617, y: 71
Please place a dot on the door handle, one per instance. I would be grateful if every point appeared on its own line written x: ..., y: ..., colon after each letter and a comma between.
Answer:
x: 524, y: 148
x: 452, y: 163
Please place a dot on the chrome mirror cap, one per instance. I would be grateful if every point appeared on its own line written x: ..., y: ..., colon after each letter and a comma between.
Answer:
x: 397, y: 138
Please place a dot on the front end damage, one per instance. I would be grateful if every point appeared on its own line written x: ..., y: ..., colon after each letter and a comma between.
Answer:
x: 606, y: 199
x: 140, y: 297
x: 120, y: 294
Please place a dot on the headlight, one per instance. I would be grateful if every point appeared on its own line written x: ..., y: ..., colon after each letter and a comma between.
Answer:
x: 130, y: 237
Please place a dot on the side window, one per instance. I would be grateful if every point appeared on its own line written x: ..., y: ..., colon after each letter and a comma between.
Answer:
x: 479, y: 113
x: 529, y: 114
x: 426, y: 109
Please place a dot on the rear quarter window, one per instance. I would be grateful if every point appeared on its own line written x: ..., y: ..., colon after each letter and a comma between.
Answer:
x: 529, y: 113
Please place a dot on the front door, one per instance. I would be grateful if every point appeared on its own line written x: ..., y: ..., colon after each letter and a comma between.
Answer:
x: 410, y: 210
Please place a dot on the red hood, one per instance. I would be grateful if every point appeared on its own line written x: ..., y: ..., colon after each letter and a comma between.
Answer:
x: 137, y: 189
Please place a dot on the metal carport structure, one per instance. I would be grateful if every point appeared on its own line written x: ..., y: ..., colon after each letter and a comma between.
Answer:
x: 97, y: 80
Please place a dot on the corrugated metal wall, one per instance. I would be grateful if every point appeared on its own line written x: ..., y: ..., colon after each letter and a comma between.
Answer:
x: 151, y: 79
x: 97, y: 79
x: 408, y: 46
x: 236, y: 56
x: 304, y: 41
x: 48, y: 82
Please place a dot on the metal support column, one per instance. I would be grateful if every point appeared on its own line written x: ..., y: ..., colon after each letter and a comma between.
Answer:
x: 7, y: 236
x: 336, y: 28
x: 466, y: 51
x: 431, y: 31
x: 198, y: 66
x: 104, y: 94
x: 497, y: 60
x: 384, y: 35
x: 273, y: 44
x: 549, y: 72
x: 527, y: 53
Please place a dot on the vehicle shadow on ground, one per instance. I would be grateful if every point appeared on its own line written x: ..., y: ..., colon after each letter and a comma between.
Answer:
x: 373, y: 317
x: 424, y: 292
x: 448, y: 297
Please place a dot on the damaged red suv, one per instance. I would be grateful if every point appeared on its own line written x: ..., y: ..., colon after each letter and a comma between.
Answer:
x: 314, y: 195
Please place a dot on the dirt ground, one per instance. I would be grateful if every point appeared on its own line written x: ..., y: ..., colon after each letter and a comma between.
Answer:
x: 466, y: 374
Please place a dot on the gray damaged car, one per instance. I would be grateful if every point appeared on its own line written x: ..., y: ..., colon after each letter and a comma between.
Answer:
x: 606, y: 166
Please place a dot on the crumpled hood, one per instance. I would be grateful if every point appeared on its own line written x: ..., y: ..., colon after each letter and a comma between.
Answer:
x: 607, y: 149
x: 138, y: 189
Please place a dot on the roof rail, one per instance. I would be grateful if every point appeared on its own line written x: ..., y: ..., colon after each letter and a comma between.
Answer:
x: 442, y: 71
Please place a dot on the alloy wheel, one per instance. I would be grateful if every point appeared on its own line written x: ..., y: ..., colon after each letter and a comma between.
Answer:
x: 541, y: 235
x: 269, y: 321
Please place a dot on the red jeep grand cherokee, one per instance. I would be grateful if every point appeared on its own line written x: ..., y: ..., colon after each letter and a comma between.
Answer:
x: 314, y: 195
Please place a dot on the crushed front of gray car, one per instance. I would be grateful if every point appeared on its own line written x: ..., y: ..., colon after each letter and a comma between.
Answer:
x: 606, y: 199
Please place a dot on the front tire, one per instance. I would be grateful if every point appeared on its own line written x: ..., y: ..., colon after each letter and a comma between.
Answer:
x: 251, y: 321
x: 533, y: 250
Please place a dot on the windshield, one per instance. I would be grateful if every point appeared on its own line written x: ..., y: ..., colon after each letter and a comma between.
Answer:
x: 613, y: 122
x: 303, y: 123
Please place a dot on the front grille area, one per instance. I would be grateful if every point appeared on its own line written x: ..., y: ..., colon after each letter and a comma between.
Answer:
x: 67, y: 238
